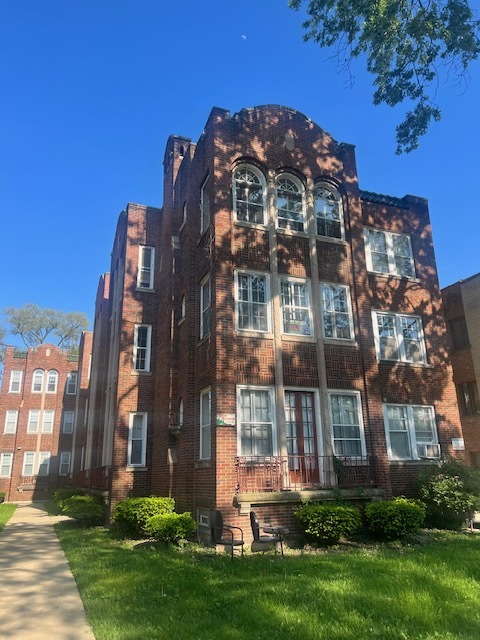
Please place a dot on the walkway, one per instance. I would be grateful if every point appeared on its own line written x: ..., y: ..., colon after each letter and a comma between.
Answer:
x: 38, y: 594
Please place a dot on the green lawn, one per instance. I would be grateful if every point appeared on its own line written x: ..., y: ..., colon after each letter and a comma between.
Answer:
x: 6, y: 512
x: 430, y: 591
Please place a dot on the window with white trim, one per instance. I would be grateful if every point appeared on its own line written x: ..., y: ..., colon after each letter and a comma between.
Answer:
x: 44, y: 463
x: 47, y: 422
x: 249, y: 194
x: 252, y: 301
x: 411, y: 432
x: 64, y: 465
x: 28, y: 468
x: 399, y: 337
x: 15, y: 381
x: 146, y: 263
x: 11, y: 420
x: 6, y: 462
x: 389, y: 253
x: 337, y: 312
x: 328, y: 212
x: 205, y: 424
x: 142, y: 347
x: 296, y: 308
x: 137, y: 440
x: 52, y: 381
x: 347, y: 424
x: 204, y: 206
x: 205, y: 306
x: 256, y: 421
x: 37, y: 381
x: 290, y: 203
x: 71, y: 389
x: 68, y: 418
x: 33, y: 420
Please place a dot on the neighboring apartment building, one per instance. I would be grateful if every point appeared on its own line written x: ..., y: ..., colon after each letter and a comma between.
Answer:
x: 461, y: 302
x: 273, y: 333
x: 37, y: 417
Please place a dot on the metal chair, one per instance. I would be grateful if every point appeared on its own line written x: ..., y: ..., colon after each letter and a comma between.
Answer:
x: 271, y: 535
x: 225, y: 534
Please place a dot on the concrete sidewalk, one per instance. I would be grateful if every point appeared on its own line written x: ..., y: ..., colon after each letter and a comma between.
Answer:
x: 39, y: 598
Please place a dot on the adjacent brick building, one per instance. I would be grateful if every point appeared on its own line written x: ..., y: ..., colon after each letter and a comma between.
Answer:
x: 462, y: 311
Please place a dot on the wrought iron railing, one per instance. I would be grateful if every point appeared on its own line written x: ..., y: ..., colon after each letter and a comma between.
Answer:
x: 294, y: 472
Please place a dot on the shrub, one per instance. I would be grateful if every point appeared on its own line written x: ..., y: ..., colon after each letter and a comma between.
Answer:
x: 171, y: 527
x: 326, y: 524
x: 133, y: 513
x: 86, y: 510
x: 60, y: 495
x: 451, y: 492
x: 395, y: 518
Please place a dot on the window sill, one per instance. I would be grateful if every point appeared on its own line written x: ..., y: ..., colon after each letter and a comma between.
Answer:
x: 203, y: 340
x: 411, y: 461
x: 135, y: 372
x: 341, y: 342
x: 181, y: 321
x: 251, y: 225
x: 341, y: 241
x: 290, y: 232
x: 145, y: 290
x: 203, y: 464
x: 394, y: 276
x: 251, y: 333
x: 133, y: 468
x: 290, y: 337
x: 416, y: 365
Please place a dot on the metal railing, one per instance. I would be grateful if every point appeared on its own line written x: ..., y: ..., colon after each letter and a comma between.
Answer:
x: 96, y: 478
x: 294, y: 472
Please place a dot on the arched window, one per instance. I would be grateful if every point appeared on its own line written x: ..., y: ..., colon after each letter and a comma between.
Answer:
x: 52, y: 382
x: 249, y: 194
x: 290, y: 206
x: 37, y: 382
x: 328, y: 212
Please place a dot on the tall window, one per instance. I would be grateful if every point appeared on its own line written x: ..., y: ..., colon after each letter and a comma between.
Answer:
x: 469, y: 398
x: 459, y: 332
x: 389, y: 253
x: 290, y: 207
x: 11, y: 419
x: 256, y: 422
x: 411, y: 432
x: 6, y: 461
x: 249, y: 195
x: 68, y: 418
x: 205, y: 424
x: 399, y: 337
x: 204, y: 206
x: 64, y: 466
x: 142, y: 347
x: 296, y: 309
x: 146, y: 262
x: 205, y: 306
x: 33, y: 420
x: 347, y: 425
x: 337, y: 315
x: 52, y: 381
x: 252, y: 302
x: 72, y: 383
x: 43, y: 463
x: 328, y: 212
x: 15, y: 381
x: 37, y: 381
x: 137, y: 440
x: 47, y: 422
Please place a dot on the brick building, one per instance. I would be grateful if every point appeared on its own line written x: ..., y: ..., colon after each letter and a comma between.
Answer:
x: 272, y: 333
x: 461, y: 302
x: 37, y: 415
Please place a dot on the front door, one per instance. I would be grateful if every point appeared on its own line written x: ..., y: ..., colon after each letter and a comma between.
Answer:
x: 301, y: 438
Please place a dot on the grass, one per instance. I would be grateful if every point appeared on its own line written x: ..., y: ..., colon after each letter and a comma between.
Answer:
x: 6, y: 512
x: 139, y: 591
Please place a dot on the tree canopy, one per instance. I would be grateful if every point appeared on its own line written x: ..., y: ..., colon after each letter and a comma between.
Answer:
x: 35, y: 326
x: 406, y: 44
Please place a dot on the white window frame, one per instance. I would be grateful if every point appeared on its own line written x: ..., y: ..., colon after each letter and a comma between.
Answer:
x: 325, y: 217
x: 145, y: 273
x: 52, y: 381
x: 48, y: 420
x: 358, y: 400
x: 28, y: 466
x: 256, y: 425
x: 335, y: 313
x: 142, y: 439
x: 183, y: 307
x: 137, y: 350
x: 205, y: 452
x: 283, y: 222
x: 33, y: 425
x: 263, y: 186
x: 38, y: 380
x: 72, y: 381
x: 399, y: 338
x: 67, y: 425
x: 250, y: 303
x: 205, y: 309
x: 11, y: 421
x: 43, y: 461
x: 64, y: 463
x: 420, y: 448
x: 6, y: 464
x: 205, y: 208
x: 16, y: 377
x: 293, y: 308
x: 393, y: 269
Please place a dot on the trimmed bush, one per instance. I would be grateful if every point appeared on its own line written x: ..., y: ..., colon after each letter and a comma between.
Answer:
x: 325, y: 524
x: 86, y: 510
x: 60, y: 495
x: 132, y: 514
x: 171, y: 527
x: 397, y: 518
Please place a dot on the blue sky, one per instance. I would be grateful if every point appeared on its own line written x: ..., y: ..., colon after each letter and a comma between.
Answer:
x: 91, y: 89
